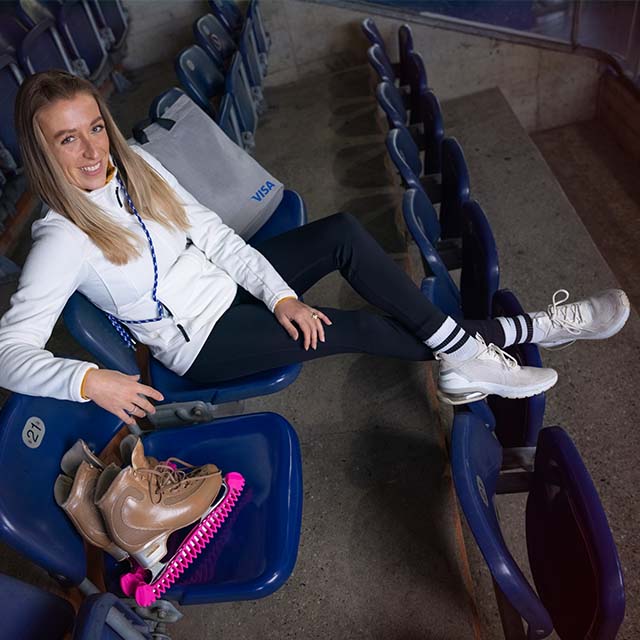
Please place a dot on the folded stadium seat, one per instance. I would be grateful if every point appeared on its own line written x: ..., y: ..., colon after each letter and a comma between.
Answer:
x: 381, y: 64
x: 42, y: 49
x: 371, y: 32
x: 10, y: 80
x: 427, y: 133
x: 249, y: 52
x: 228, y: 120
x: 31, y: 12
x: 572, y: 555
x: 418, y: 85
x: 113, y: 25
x: 31, y: 613
x: 262, y: 36
x: 229, y: 14
x: 12, y: 33
x: 237, y: 85
x: 211, y: 35
x: 516, y: 422
x: 250, y: 557
x: 201, y: 79
x: 96, y: 620
x: 80, y: 33
x: 405, y: 47
x: 163, y: 101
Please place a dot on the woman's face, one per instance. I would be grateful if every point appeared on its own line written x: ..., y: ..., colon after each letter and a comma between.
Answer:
x: 77, y: 138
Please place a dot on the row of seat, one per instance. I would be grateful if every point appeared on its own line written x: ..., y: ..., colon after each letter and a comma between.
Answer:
x: 252, y: 555
x: 497, y: 445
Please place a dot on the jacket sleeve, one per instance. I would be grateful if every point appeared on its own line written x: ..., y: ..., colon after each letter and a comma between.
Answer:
x: 52, y: 273
x: 224, y: 247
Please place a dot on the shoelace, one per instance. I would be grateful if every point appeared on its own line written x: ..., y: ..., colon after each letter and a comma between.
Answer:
x: 496, y: 352
x: 168, y: 478
x: 567, y: 317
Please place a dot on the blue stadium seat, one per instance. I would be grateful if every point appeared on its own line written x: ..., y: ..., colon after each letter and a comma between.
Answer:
x: 10, y: 80
x: 371, y: 32
x: 91, y: 329
x: 80, y: 33
x: 405, y: 47
x: 418, y: 85
x: 455, y: 187
x: 229, y: 15
x: 214, y: 39
x: 30, y: 613
x: 381, y: 64
x: 32, y: 12
x: 95, y: 620
x: 237, y: 85
x: 391, y: 102
x: 113, y: 22
x: 263, y: 39
x: 163, y: 101
x: 201, y: 79
x: 433, y: 132
x: 42, y: 49
x: 249, y: 52
x: 229, y: 121
x: 251, y: 557
x: 12, y: 33
x: 572, y: 555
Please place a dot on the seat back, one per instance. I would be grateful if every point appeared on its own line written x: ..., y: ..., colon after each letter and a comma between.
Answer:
x: 42, y: 49
x: 76, y: 24
x: 518, y: 421
x: 405, y: 46
x: 262, y: 37
x: 34, y: 434
x: 228, y: 13
x: 405, y: 155
x: 433, y: 126
x: 476, y: 458
x: 573, y: 557
x: 10, y: 81
x: 115, y: 18
x: 371, y: 32
x: 39, y: 613
x: 381, y: 64
x: 390, y: 102
x: 422, y: 223
x: 12, y: 33
x: 480, y: 277
x: 237, y: 84
x: 418, y: 84
x: 163, y: 101
x: 214, y: 39
x: 455, y: 188
x: 200, y: 77
x: 32, y: 12
x: 228, y: 120
x: 249, y: 52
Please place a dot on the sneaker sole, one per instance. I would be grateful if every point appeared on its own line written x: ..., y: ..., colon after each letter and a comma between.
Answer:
x: 466, y: 395
x: 610, y: 332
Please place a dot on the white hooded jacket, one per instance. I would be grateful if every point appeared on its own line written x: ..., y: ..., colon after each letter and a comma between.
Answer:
x: 198, y: 275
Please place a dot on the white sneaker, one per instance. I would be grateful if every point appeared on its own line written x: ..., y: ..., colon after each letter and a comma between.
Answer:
x: 598, y: 317
x: 491, y: 372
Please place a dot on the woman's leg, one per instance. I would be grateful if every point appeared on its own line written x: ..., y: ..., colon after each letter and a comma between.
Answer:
x: 248, y: 339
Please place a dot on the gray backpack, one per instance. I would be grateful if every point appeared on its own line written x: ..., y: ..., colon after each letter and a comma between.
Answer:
x: 210, y: 166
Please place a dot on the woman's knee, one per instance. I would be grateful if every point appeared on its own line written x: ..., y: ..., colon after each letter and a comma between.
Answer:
x: 346, y: 225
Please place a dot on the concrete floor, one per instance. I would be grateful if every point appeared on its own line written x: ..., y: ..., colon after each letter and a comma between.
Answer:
x: 379, y: 555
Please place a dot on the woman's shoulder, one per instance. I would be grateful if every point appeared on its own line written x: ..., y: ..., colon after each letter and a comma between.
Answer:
x: 55, y: 226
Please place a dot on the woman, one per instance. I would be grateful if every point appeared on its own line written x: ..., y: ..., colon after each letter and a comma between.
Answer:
x: 123, y: 232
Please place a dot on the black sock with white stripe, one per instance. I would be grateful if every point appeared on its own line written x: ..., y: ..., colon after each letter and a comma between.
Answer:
x: 517, y: 330
x: 453, y: 341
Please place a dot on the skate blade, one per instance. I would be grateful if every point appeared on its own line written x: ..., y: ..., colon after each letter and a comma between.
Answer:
x: 456, y: 399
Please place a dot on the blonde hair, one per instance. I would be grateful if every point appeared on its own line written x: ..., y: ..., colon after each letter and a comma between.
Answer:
x: 153, y: 197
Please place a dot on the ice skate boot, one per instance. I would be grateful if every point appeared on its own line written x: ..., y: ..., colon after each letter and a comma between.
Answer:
x: 80, y: 452
x: 75, y: 497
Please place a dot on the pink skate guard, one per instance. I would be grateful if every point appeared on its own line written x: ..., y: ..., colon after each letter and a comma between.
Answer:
x: 134, y: 583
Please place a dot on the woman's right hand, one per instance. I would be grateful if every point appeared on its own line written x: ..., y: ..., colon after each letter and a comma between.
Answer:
x: 120, y: 394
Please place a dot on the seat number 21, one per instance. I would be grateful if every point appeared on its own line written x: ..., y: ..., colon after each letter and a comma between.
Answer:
x: 33, y: 432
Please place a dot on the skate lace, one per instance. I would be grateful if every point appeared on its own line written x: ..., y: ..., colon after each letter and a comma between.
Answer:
x: 167, y: 477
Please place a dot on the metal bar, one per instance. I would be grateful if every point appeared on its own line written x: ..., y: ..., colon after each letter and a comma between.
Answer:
x: 119, y: 623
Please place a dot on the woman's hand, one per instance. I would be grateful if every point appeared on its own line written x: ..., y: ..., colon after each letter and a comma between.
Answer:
x: 308, y: 320
x: 120, y: 394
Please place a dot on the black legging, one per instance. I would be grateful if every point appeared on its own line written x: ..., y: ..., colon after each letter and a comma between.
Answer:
x: 248, y: 339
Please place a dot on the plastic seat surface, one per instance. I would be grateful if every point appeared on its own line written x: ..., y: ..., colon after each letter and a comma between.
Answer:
x: 380, y: 63
x: 263, y: 39
x: 91, y: 623
x: 12, y: 32
x: 200, y: 77
x: 10, y: 79
x: 391, y: 103
x: 114, y: 17
x: 255, y: 552
x: 476, y: 458
x: 433, y: 128
x: 91, y: 328
x: 249, y: 52
x: 517, y: 422
x: 405, y: 156
x: 455, y: 187
x: 572, y: 553
x: 416, y: 76
x: 214, y: 39
x: 237, y: 84
x: 372, y: 33
x: 42, y: 49
x: 405, y: 46
x: 163, y: 101
x: 228, y: 13
x: 228, y: 119
x: 31, y: 613
x: 75, y: 22
x: 480, y: 277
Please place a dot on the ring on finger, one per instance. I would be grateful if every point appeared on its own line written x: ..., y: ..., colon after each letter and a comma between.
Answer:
x: 314, y: 315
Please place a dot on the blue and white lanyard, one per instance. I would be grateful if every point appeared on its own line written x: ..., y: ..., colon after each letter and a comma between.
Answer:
x: 117, y: 322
